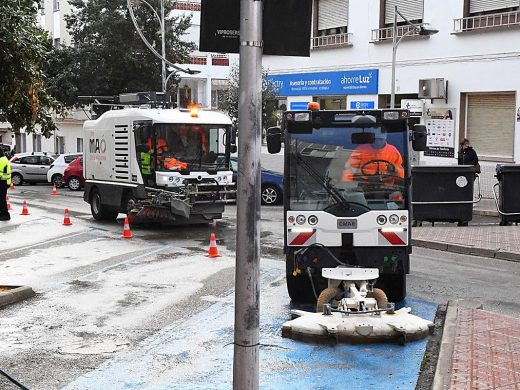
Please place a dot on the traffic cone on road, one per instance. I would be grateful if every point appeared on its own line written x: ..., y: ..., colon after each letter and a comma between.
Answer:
x: 25, y: 211
x: 11, y: 187
x: 126, y: 229
x: 213, y: 250
x: 54, y: 191
x: 66, y: 218
x: 8, y: 204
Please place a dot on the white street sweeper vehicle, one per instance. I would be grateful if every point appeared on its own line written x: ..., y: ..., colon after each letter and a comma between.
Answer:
x: 158, y: 165
x: 347, y: 196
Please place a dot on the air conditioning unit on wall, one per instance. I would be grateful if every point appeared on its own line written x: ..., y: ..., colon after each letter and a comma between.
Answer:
x: 432, y: 89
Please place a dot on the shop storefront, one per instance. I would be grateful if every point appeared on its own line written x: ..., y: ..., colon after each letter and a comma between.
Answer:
x: 355, y: 90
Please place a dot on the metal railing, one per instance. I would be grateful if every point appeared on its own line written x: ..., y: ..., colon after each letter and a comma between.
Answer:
x: 187, y: 6
x: 386, y: 33
x: 331, y: 40
x: 472, y: 23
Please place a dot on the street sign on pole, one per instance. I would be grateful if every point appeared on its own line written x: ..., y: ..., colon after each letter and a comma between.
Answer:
x: 286, y: 27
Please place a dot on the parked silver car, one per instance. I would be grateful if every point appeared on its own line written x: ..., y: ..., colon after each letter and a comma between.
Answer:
x: 30, y: 167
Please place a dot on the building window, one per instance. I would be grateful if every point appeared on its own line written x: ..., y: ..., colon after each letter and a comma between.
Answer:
x: 59, y: 147
x: 37, y: 143
x: 79, y: 145
x: 483, y: 7
x: 56, y: 43
x: 332, y: 17
x: 412, y: 10
x: 21, y: 142
x: 55, y: 5
x: 42, y: 7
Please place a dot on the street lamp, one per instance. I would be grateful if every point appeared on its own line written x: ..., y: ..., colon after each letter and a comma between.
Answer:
x: 162, y: 56
x: 421, y: 29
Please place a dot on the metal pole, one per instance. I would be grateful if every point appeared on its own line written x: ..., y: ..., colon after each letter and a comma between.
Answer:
x: 394, y: 51
x: 247, y: 292
x: 163, y: 47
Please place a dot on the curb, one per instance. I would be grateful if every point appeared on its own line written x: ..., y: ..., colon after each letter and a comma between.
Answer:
x: 442, y: 377
x: 467, y: 250
x: 19, y: 293
x: 486, y: 213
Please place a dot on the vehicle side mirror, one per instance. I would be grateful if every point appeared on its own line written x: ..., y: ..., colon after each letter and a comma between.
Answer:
x: 274, y: 140
x: 233, y: 137
x: 419, y: 138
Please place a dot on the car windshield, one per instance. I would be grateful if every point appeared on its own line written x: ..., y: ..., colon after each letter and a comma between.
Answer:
x: 184, y: 147
x: 345, y: 165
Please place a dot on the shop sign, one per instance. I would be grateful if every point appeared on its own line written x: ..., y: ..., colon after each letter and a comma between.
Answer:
x: 415, y: 106
x: 357, y: 105
x: 351, y: 82
x: 299, y: 105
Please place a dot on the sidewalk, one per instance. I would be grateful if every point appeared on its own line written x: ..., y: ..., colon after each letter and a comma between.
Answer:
x: 491, y: 240
x: 479, y: 350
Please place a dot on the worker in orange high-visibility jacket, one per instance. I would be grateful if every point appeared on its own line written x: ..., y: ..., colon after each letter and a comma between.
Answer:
x: 379, y: 158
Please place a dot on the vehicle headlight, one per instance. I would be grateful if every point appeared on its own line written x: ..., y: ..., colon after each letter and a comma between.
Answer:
x: 313, y: 220
x: 300, y: 219
x: 381, y: 219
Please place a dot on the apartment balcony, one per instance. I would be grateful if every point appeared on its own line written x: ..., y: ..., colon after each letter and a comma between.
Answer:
x: 188, y: 6
x: 485, y: 22
x: 386, y: 34
x: 333, y: 40
x: 210, y: 59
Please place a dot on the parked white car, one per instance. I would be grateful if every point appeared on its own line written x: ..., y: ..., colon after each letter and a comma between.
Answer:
x: 55, y: 173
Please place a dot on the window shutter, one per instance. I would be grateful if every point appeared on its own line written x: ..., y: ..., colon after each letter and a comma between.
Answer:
x: 477, y: 6
x: 491, y: 124
x: 411, y: 10
x: 332, y: 14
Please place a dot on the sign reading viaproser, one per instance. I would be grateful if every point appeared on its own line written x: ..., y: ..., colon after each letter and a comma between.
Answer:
x: 286, y: 27
x: 350, y: 82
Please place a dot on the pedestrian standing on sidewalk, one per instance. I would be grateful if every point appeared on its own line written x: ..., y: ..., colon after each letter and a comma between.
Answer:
x: 5, y: 181
x: 468, y: 156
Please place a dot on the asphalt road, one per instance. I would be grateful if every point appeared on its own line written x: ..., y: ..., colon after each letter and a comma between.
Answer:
x: 102, y: 299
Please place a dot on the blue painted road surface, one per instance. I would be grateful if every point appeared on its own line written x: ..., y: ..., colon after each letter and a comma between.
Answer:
x: 197, y: 353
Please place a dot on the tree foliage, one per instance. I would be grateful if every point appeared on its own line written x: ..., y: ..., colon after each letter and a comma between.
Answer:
x: 24, y: 98
x: 269, y: 103
x: 107, y: 55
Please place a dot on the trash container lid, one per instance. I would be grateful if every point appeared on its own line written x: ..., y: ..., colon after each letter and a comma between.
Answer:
x: 462, y: 169
x: 508, y: 168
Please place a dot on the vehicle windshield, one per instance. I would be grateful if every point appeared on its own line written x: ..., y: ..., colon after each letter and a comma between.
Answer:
x: 341, y: 165
x: 183, y: 147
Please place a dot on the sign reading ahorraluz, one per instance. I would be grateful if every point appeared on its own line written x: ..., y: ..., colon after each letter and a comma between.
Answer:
x: 286, y: 27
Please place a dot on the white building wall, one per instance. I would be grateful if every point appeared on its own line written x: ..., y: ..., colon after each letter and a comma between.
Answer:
x: 486, y: 61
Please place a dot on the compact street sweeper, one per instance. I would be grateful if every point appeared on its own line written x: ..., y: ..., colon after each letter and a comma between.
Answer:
x: 158, y: 165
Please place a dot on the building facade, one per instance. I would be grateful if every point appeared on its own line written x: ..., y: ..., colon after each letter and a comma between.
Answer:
x: 472, y: 64
x: 204, y: 88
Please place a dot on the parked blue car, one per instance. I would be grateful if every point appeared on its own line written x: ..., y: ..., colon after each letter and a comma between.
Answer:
x: 272, y: 184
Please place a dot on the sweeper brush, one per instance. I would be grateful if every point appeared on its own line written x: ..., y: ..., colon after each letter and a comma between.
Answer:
x: 151, y: 215
x: 350, y: 310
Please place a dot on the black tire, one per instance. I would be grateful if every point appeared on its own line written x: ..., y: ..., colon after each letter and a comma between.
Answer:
x: 57, y: 180
x: 271, y: 195
x: 74, y: 183
x: 300, y: 289
x: 394, y: 285
x: 128, y: 203
x: 17, y: 179
x: 99, y: 211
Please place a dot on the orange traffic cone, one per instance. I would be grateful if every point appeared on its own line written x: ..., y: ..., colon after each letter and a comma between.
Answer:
x: 126, y: 229
x: 213, y: 251
x: 8, y: 204
x: 66, y: 218
x: 11, y: 187
x: 54, y: 192
x: 24, y: 208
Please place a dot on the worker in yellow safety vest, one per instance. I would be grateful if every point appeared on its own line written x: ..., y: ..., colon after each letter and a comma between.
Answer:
x: 5, y: 181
